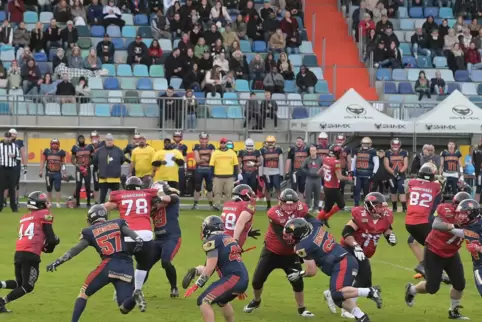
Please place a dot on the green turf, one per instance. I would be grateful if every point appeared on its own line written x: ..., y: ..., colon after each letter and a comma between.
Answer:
x: 55, y: 293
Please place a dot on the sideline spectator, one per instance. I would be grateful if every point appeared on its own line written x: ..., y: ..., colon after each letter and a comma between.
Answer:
x: 6, y: 33
x: 269, y: 62
x: 173, y: 65
x: 92, y: 62
x: 62, y: 12
x: 200, y: 48
x: 293, y: 43
x: 420, y: 44
x: 478, y: 40
x: 214, y: 80
x: 212, y: 35
x: 69, y: 35
x: 160, y: 26
x: 285, y: 67
x: 429, y: 25
x: 252, y: 111
x: 21, y: 36
x: 255, y: 28
x: 112, y: 15
x: 169, y: 103
x: 269, y: 109
x: 204, y: 10
x: 394, y: 56
x: 53, y: 36
x: 358, y: 16
x: 47, y: 89
x: 106, y: 50
x: 176, y: 26
x: 237, y: 66
x: 379, y: 12
x: 205, y: 64
x: 383, y: 25
x: 422, y: 86
x: 460, y: 24
x: 466, y: 38
x: 195, y: 34
x: 270, y: 25
x: 458, y: 60
x: 166, y: 164
x: 222, y: 62
x: 82, y: 91
x: 137, y: 52
x: 75, y: 59
x: 438, y: 85
x: 256, y: 68
x: 371, y: 43
x: 234, y: 48
x: 95, y: 13
x: 16, y: 8
x: 443, y: 29
x: 65, y: 90
x: 450, y: 40
x: 229, y: 82
x: 184, y: 44
x: 474, y: 27
x: 288, y: 24
x: 274, y: 81
x: 229, y: 36
x: 311, y: 167
x: 389, y: 36
x: 37, y: 38
x: 79, y: 13
x: 190, y: 105
x: 141, y: 161
x: 306, y: 80
x: 217, y: 48
x: 30, y: 76
x: 472, y: 58
x: 224, y: 165
x: 193, y: 78
x: 155, y: 53
x: 219, y: 13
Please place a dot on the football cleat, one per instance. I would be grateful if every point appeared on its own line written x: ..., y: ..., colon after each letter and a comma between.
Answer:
x: 445, y: 278
x: 3, y: 309
x: 454, y: 314
x: 364, y: 318
x: 194, y: 207
x: 376, y: 295
x: 420, y: 269
x: 140, y: 300
x: 253, y: 305
x: 347, y: 315
x: 186, y: 281
x: 306, y: 314
x: 329, y: 301
x: 174, y: 292
x: 409, y: 297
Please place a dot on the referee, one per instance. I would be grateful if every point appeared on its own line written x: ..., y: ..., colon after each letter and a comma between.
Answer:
x: 9, y: 156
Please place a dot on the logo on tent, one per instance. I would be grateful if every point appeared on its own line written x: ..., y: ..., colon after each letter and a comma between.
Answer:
x: 440, y: 127
x: 324, y: 126
x: 462, y: 113
x: 390, y: 126
x: 356, y: 112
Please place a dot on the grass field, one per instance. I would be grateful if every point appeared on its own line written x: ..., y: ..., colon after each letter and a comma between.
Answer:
x: 55, y: 293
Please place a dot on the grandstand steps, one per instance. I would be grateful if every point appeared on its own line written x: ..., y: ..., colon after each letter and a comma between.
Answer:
x: 340, y: 50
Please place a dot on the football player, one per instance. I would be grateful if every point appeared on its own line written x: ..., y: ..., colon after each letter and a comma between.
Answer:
x: 53, y: 160
x: 223, y: 254
x: 278, y: 253
x: 250, y: 160
x: 360, y: 237
x: 296, y: 157
x: 451, y: 168
x: 96, y: 144
x: 322, y: 150
x: 442, y: 254
x: 473, y: 236
x: 135, y: 205
x: 35, y: 236
x: 396, y: 164
x: 332, y: 175
x: 364, y: 165
x: 202, y: 155
x: 345, y: 159
x: 422, y: 196
x: 167, y: 231
x: 81, y: 159
x: 107, y: 237
x: 318, y: 248
x: 178, y: 145
x: 271, y: 169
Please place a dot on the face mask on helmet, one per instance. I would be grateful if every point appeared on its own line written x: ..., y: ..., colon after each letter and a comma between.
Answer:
x: 289, y: 207
x: 249, y: 145
x: 366, y: 143
x: 55, y: 144
x: 395, y: 145
x: 270, y: 141
x: 177, y: 137
x: 94, y: 137
x: 203, y: 138
x: 323, y: 139
x: 340, y: 139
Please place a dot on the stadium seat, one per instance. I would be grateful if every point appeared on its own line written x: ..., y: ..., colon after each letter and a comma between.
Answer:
x: 97, y: 31
x: 383, y: 74
x: 310, y: 61
x: 218, y: 112
x: 128, y: 19
x: 409, y: 61
x: 111, y: 83
x: 431, y: 11
x: 30, y: 17
x: 84, y: 43
x: 148, y: 97
x: 213, y: 100
x: 115, y: 97
x: 165, y: 44
x: 202, y: 112
x: 283, y: 112
x: 259, y: 46
x: 326, y: 99
x: 313, y: 111
x: 144, y: 84
x: 452, y: 87
x: 152, y: 110
x: 176, y: 82
x: 83, y: 31
x: 306, y: 47
x: 322, y: 87
x: 52, y: 109
x: 148, y: 42
x: 407, y: 24
x: 102, y: 110
x: 294, y: 99
x: 160, y: 84
x: 175, y: 43
x: 95, y: 83
x: 230, y: 98
x: 4, y: 108
x: 44, y: 67
x: 113, y: 31
x: 476, y: 75
x: 290, y: 86
x: 468, y: 89
x: 7, y: 55
x: 440, y: 62
x: 300, y: 113
x: 245, y: 46
x: 118, y: 43
x: 69, y: 109
x: 416, y: 12
x: 318, y: 72
x: 86, y: 109
x: 131, y: 97
x: 310, y: 100
x: 129, y: 32
x: 405, y: 48
x: 141, y: 20
x: 412, y: 74
x: 99, y: 97
x: 389, y: 88
x: 295, y: 59
x: 423, y: 62
x: 140, y: 70
x: 144, y: 32
x: 462, y: 76
x: 119, y: 110
x: 128, y: 83
x: 20, y: 108
x: 36, y: 109
x: 3, y: 16
x: 110, y: 69
x: 136, y: 110
x: 156, y: 71
x: 405, y: 88
x: 402, y: 12
x: 242, y: 85
x: 40, y: 57
x: 235, y: 112
x: 446, y: 13
x: 124, y: 70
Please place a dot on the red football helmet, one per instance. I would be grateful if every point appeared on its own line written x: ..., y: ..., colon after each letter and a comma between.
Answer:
x: 336, y: 150
x: 395, y: 144
x: 54, y: 144
x: 340, y: 139
x: 375, y: 204
x: 323, y: 139
x: 243, y: 192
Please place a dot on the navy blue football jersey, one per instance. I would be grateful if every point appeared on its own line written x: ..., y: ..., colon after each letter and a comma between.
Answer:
x: 166, y: 220
x: 20, y: 144
x: 229, y: 255
x: 181, y: 147
x: 297, y: 155
x: 364, y: 162
x: 451, y: 160
x: 248, y: 156
x: 473, y: 234
x: 82, y: 154
x: 54, y: 159
x: 395, y: 159
x: 204, y: 154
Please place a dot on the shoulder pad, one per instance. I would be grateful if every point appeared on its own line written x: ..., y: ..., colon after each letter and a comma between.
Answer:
x: 251, y: 208
x: 48, y: 217
x: 209, y: 245
x: 301, y: 252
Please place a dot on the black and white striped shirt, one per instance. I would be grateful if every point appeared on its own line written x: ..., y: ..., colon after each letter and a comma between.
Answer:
x: 6, y: 150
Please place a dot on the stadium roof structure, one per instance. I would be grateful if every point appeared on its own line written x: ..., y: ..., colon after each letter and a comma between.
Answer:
x: 455, y: 114
x: 352, y: 113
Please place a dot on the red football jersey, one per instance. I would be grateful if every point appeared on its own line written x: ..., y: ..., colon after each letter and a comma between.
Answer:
x: 31, y: 235
x: 135, y: 207
x: 444, y: 243
x: 370, y: 230
x: 278, y: 217
x: 421, y: 198
x: 330, y: 166
x: 231, y: 212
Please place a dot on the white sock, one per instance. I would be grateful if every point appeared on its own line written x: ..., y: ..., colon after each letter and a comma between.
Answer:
x: 454, y: 303
x: 413, y: 290
x: 139, y: 278
x: 4, y: 285
x: 320, y: 204
x: 363, y: 291
x: 357, y: 313
x: 354, y: 299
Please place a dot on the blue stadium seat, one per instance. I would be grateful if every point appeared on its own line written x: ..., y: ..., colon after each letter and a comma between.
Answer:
x: 176, y: 83
x: 141, y: 20
x: 175, y: 43
x: 235, y: 112
x: 160, y: 84
x: 407, y: 24
x: 230, y: 98
x: 259, y: 46
x: 111, y: 83
x: 7, y: 55
x: 124, y: 70
x: 144, y: 84
x: 145, y: 32
x: 446, y: 13
x: 113, y: 31
x: 83, y: 31
x: 97, y: 31
x: 119, y: 110
x: 118, y: 43
x: 245, y: 46
x: 416, y: 12
x: 402, y: 12
x: 127, y: 17
x: 300, y: 113
x: 295, y: 60
x: 69, y: 109
x: 452, y: 87
x: 431, y: 11
x: 30, y: 17
x: 44, y: 67
x: 152, y: 110
x: 156, y: 71
x: 4, y: 109
x: 306, y: 47
x: 46, y: 16
x: 110, y: 69
x: 3, y: 16
x: 318, y: 72
x: 440, y: 62
x: 389, y: 88
x: 405, y: 48
x: 242, y: 85
x: 322, y: 87
x: 102, y: 110
x: 423, y: 62
x: 290, y: 86
x: 462, y: 76
x: 165, y: 44
x: 40, y: 57
x: 399, y: 75
x: 326, y: 99
x: 405, y: 88
x: 383, y: 74
x: 129, y: 32
x: 476, y: 75
x: 479, y: 89
x: 218, y: 112
x: 95, y: 83
x: 141, y: 70
x: 310, y: 61
x: 409, y: 61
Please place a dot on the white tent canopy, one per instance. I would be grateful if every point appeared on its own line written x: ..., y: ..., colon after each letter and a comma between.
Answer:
x: 351, y: 113
x: 455, y: 114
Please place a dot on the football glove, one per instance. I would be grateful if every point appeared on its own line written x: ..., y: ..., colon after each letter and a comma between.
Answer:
x: 359, y: 254
x: 295, y: 275
x: 53, y: 266
x: 243, y: 296
x: 391, y: 239
x: 254, y: 233
x: 473, y: 248
x: 139, y: 242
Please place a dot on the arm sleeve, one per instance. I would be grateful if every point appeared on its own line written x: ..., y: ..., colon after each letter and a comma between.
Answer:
x: 74, y: 251
x: 128, y: 232
x: 438, y: 224
x: 376, y: 163
x: 49, y: 233
x: 353, y: 163
x: 281, y: 164
x: 212, y: 253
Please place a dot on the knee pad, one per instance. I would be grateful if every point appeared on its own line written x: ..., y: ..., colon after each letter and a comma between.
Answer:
x: 298, y: 285
x: 410, y: 239
x: 166, y: 264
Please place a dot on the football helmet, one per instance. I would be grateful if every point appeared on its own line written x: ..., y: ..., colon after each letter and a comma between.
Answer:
x: 203, y: 138
x: 37, y: 200
x: 243, y: 192
x: 340, y: 139
x: 212, y: 225
x: 97, y: 213
x: 94, y: 137
x: 427, y: 171
x: 375, y: 204
x: 296, y: 229
x: 336, y: 150
x: 366, y: 143
x: 270, y: 140
x: 249, y: 145
x: 323, y: 138
x: 395, y: 144
x: 288, y: 200
x: 70, y: 203
x: 54, y: 144
x: 459, y: 197
x: 177, y: 134
x: 467, y: 212
x: 134, y: 183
